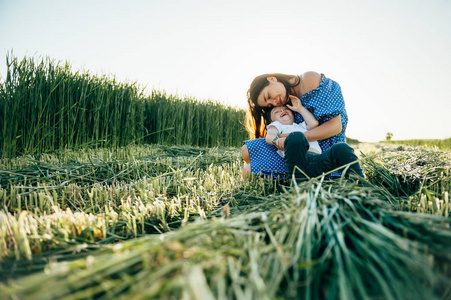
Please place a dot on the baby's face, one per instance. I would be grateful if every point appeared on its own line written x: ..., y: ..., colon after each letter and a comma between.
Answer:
x: 282, y: 114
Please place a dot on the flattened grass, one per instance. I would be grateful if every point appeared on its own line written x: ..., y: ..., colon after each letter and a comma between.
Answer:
x: 317, y: 241
x: 421, y: 175
x: 186, y: 225
x: 156, y: 189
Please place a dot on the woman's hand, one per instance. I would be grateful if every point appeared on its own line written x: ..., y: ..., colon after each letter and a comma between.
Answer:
x: 279, y: 143
x: 296, y: 104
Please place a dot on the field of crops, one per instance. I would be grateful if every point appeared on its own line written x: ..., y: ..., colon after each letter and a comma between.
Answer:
x: 45, y: 105
x: 444, y: 144
x: 92, y: 216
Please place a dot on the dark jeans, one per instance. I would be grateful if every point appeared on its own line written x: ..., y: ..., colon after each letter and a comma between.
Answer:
x: 313, y: 164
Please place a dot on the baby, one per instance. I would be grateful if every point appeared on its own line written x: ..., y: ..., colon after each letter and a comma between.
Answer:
x: 282, y: 119
x: 301, y: 156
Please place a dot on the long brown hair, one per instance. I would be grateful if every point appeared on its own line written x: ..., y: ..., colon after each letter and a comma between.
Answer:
x: 258, y: 117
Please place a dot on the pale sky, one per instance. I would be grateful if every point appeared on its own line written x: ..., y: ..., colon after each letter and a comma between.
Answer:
x: 390, y: 57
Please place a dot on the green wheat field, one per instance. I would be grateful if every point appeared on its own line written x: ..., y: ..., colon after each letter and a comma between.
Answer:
x: 110, y: 192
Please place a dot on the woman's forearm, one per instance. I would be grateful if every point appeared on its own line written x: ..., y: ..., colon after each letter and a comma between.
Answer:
x: 271, y: 134
x: 325, y: 130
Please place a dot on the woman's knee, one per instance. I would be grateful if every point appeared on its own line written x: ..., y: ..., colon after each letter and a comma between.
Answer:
x: 246, y: 171
x: 245, y: 154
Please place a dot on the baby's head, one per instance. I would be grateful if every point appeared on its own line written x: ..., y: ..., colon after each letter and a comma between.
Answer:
x: 282, y: 114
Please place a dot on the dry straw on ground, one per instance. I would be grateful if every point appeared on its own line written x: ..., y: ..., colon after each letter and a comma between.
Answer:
x: 179, y: 222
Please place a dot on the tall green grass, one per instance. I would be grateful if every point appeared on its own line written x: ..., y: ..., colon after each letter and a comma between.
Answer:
x: 45, y: 105
x: 172, y: 121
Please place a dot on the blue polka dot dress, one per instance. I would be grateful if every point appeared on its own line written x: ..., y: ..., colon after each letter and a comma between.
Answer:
x: 325, y: 102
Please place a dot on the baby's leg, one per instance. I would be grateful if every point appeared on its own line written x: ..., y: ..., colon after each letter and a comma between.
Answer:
x: 296, y: 148
x: 339, y: 155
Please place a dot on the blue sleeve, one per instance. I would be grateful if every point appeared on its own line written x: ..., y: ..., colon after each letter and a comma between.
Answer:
x: 325, y: 102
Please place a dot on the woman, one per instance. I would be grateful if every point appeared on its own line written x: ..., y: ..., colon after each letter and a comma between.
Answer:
x: 320, y: 95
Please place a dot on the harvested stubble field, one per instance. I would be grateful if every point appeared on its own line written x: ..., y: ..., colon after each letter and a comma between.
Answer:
x: 178, y: 222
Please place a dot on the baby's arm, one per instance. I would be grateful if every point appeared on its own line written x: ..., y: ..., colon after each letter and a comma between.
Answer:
x: 271, y: 134
x: 309, y: 118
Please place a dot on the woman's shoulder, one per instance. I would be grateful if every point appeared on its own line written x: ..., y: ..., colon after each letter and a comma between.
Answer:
x: 309, y: 81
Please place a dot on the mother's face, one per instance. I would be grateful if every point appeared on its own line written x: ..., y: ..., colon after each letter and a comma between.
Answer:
x: 274, y: 94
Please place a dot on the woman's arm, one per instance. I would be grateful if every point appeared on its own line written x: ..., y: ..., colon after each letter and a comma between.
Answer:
x: 310, y: 81
x: 271, y: 134
x: 309, y: 118
x: 324, y: 131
